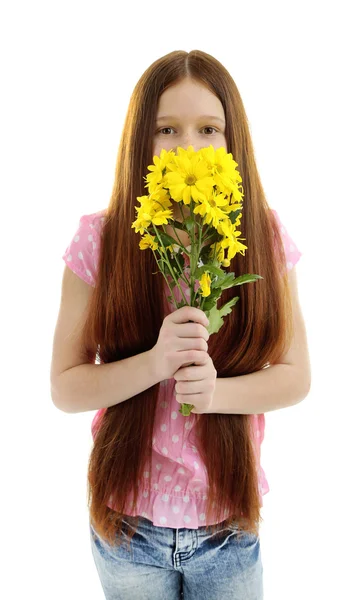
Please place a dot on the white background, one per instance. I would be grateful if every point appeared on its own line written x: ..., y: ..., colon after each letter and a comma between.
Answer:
x: 67, y: 73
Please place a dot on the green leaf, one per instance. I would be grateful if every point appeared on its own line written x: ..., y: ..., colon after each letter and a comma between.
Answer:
x: 227, y: 308
x: 234, y: 214
x: 216, y: 315
x: 213, y: 236
x: 208, y: 267
x: 212, y: 299
x: 215, y: 320
x: 224, y: 282
x: 167, y: 239
x: 186, y: 409
x: 189, y: 223
x: 247, y: 278
x: 178, y: 225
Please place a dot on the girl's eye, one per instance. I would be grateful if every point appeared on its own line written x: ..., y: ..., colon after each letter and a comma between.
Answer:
x: 164, y: 128
x: 210, y: 128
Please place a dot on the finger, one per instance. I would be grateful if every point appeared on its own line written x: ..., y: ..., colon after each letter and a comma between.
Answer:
x: 189, y: 313
x: 192, y: 330
x: 191, y: 373
x: 190, y: 387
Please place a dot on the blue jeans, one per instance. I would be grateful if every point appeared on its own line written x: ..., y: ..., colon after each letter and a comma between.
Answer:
x: 162, y: 563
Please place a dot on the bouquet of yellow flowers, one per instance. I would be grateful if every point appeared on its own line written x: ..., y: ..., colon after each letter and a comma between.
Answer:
x: 208, y: 182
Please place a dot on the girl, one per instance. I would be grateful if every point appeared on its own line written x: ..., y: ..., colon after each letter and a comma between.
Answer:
x: 175, y: 501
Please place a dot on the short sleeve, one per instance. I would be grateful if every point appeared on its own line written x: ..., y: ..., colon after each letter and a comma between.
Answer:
x: 292, y: 252
x: 81, y: 255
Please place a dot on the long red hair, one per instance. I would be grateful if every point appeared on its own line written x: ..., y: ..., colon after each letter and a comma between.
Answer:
x: 126, y: 311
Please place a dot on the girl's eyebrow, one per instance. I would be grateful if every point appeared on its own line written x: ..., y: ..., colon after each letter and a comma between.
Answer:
x: 171, y: 118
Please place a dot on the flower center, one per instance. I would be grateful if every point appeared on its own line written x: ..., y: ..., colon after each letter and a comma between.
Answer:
x: 190, y: 179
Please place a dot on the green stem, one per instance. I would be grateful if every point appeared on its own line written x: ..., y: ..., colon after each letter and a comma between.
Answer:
x: 200, y: 245
x: 168, y: 263
x: 214, y: 255
x: 174, y: 228
x: 176, y: 258
x: 192, y: 258
x: 167, y: 282
x: 191, y: 255
x: 179, y: 240
x: 181, y: 270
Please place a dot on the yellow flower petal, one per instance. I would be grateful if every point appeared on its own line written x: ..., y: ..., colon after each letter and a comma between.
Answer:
x: 204, y: 284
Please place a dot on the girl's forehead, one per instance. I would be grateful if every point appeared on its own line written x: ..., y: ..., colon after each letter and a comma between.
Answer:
x: 189, y: 100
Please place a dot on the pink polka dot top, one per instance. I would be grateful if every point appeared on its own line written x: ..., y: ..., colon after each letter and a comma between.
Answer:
x: 177, y: 478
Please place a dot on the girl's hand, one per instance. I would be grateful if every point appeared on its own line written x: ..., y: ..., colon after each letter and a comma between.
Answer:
x: 196, y: 385
x: 182, y: 341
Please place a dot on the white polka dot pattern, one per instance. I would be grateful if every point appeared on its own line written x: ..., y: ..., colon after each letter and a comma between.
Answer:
x: 173, y: 489
x: 82, y: 253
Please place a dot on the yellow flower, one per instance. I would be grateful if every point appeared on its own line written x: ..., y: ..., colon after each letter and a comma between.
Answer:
x: 160, y: 217
x: 219, y: 251
x: 204, y: 284
x: 236, y: 246
x: 189, y: 177
x: 234, y: 206
x: 223, y: 169
x: 151, y: 211
x: 225, y: 262
x: 144, y: 214
x: 161, y: 197
x: 231, y: 240
x: 226, y: 228
x: 210, y: 209
x: 209, y: 178
x: 155, y: 178
x: 148, y: 241
x: 237, y: 195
